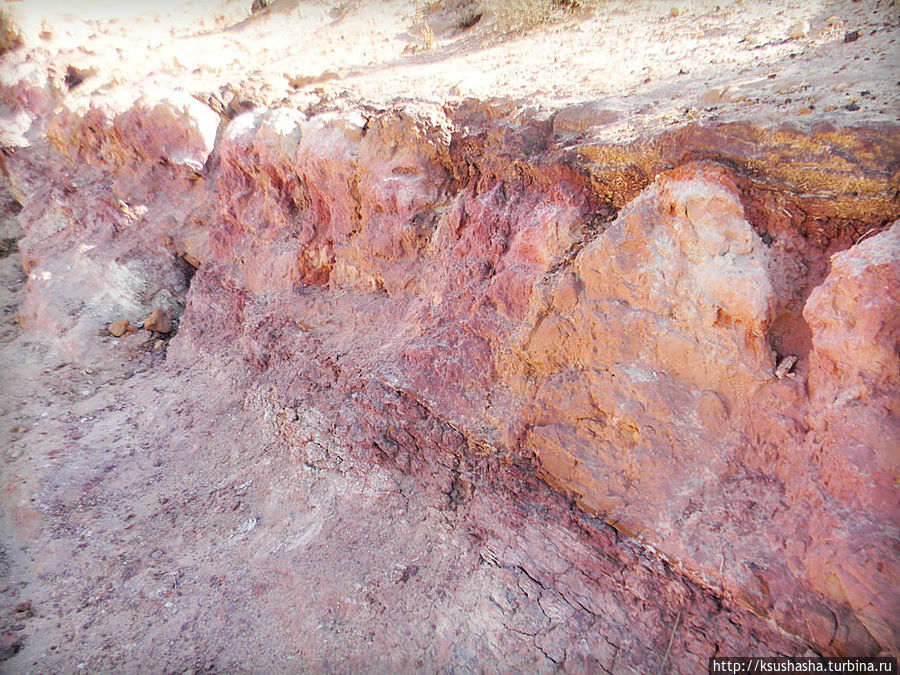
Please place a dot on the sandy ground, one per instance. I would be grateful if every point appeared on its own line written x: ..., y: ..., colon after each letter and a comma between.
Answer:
x: 662, y: 62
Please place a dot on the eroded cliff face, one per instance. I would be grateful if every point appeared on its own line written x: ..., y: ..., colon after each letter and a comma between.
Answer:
x: 478, y: 296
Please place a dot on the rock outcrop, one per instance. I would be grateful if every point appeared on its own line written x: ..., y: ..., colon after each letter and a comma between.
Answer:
x: 480, y: 296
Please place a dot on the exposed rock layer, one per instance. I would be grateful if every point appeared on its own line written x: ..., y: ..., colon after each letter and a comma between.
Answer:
x: 477, y: 296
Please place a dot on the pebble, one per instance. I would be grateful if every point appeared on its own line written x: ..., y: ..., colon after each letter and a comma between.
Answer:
x: 799, y: 30
x: 785, y: 366
x: 159, y: 321
x: 23, y: 610
x: 119, y: 328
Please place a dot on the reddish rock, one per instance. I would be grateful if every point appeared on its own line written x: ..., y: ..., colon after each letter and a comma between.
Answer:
x: 456, y: 292
x: 24, y: 610
x: 854, y: 382
x: 120, y: 328
x: 159, y: 321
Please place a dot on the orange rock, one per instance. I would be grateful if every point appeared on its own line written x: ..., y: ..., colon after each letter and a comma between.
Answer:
x: 159, y: 321
x: 120, y: 328
x: 463, y: 261
x: 854, y: 378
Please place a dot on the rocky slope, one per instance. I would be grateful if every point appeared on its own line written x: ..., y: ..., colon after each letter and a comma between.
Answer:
x: 621, y: 402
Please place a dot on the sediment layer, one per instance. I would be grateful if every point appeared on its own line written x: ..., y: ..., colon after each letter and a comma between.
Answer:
x: 680, y: 350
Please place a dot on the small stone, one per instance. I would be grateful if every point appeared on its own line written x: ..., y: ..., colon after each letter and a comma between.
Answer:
x: 409, y: 572
x: 852, y: 107
x: 159, y: 321
x: 720, y: 95
x: 784, y: 367
x: 120, y: 328
x: 674, y: 12
x: 10, y: 644
x: 851, y: 36
x: 159, y: 344
x: 799, y: 30
x: 23, y: 610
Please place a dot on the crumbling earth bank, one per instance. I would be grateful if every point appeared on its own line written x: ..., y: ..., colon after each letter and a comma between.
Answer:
x: 692, y: 337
